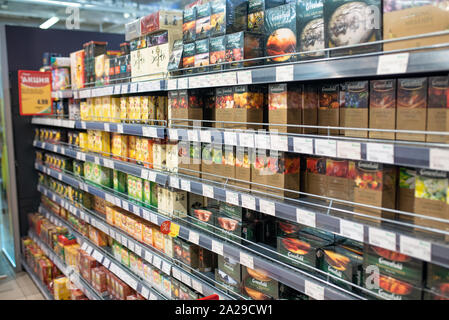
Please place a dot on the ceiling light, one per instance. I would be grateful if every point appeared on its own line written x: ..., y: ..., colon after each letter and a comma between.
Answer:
x: 47, y: 24
x: 126, y: 15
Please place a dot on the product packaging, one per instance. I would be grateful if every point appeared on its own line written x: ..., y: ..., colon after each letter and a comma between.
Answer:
x: 329, y: 106
x: 217, y: 47
x: 256, y: 11
x: 315, y: 176
x: 228, y: 273
x: 310, y: 30
x: 248, y: 107
x: 188, y: 57
x: 242, y: 46
x: 284, y: 107
x: 406, y: 193
x: 438, y: 281
x: 201, y: 55
x: 188, y: 26
x: 438, y: 108
x: 202, y: 24
x: 309, y: 112
x: 355, y: 110
x: 382, y: 108
x: 340, y: 176
x: 257, y: 284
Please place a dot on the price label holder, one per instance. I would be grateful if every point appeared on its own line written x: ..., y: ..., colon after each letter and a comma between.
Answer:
x: 382, y: 238
x: 267, y: 207
x: 166, y: 267
x: 246, y: 260
x: 124, y: 89
x: 232, y: 197
x: 148, y: 256
x: 314, y: 290
x: 197, y: 286
x: 380, y: 152
x: 325, y: 147
x: 416, y: 248
x: 279, y: 142
x: 186, y: 279
x: 193, y: 135
x: 176, y: 273
x: 351, y: 230
x: 248, y: 202
x: 157, y: 262
x: 393, y: 63
x: 133, y: 87
x: 138, y: 250
x: 262, y: 140
x: 174, y: 182
x: 194, y: 237
x: 120, y: 128
x: 183, y: 83
x: 208, y: 191
x: 230, y: 138
x: 173, y: 134
x: 303, y: 145
x: 185, y: 185
x: 246, y: 140
x: 439, y: 159
x: 172, y: 84
x: 305, y: 217
x: 217, y: 247
x: 205, y: 136
x: 348, y: 150
x: 244, y: 77
x: 284, y: 73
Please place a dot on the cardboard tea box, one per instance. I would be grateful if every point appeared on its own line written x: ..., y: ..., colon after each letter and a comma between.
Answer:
x: 281, y: 32
x: 438, y: 108
x: 228, y: 170
x: 202, y: 24
x: 258, y: 285
x: 248, y: 106
x: 161, y: 20
x: 204, y: 217
x: 242, y: 46
x: 290, y: 229
x: 188, y: 25
x: 349, y: 22
x: 340, y: 176
x: 382, y: 108
x: 217, y: 47
x: 229, y: 273
x: 375, y: 185
x: 431, y: 198
x: 243, y: 159
x: 224, y: 107
x: 403, y: 18
x: 406, y: 193
x: 218, y: 18
x: 310, y: 28
x: 329, y: 108
x: 284, y: 107
x: 212, y: 160
x: 177, y: 203
x: 185, y: 104
x: 437, y: 280
x: 283, y: 172
x: 260, y: 171
x: 256, y: 12
x: 315, y: 176
x: 188, y: 57
x: 355, y: 110
x: 309, y: 111
x: 411, y: 108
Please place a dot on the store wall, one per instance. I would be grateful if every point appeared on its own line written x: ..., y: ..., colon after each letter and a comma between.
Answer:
x: 25, y: 47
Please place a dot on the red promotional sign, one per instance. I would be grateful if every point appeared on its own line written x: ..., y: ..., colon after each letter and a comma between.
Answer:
x: 35, y: 93
x: 165, y: 227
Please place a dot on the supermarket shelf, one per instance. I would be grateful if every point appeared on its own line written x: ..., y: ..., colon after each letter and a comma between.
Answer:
x: 162, y: 263
x: 60, y: 94
x: 68, y: 271
x: 106, y: 259
x: 45, y: 292
x: 290, y: 276
x: 395, y: 153
x: 330, y: 68
x: 303, y: 211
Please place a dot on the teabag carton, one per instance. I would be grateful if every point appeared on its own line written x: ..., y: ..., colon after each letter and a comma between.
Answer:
x: 256, y: 12
x: 382, y: 108
x: 217, y: 48
x: 375, y: 185
x: 355, y: 111
x: 224, y: 107
x: 411, y: 108
x: 406, y: 193
x: 283, y: 172
x: 243, y: 45
x: 438, y: 108
x: 315, y: 176
x: 310, y: 30
x: 309, y: 109
x: 188, y: 25
x: 340, y: 176
x: 329, y: 108
x: 202, y: 24
x: 284, y: 107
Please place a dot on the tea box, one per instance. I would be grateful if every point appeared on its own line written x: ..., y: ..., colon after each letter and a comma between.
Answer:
x: 287, y: 293
x: 315, y: 176
x: 202, y: 24
x: 431, y: 198
x: 218, y: 18
x: 348, y: 22
x: 284, y: 107
x: 229, y: 271
x: 201, y: 55
x: 217, y: 47
x: 224, y: 107
x: 404, y: 18
x: 119, y: 147
x: 328, y: 108
x: 382, y: 108
x: 438, y: 106
x: 185, y: 105
x: 172, y: 156
x: 159, y: 154
x: 406, y: 192
x: 174, y: 63
x: 310, y: 28
x: 188, y: 25
x: 340, y: 176
x: 355, y: 110
x: 77, y: 69
x: 411, y: 108
x: 282, y: 171
x: 281, y: 31
x: 258, y: 285
x: 177, y: 203
x: 243, y: 162
x: 309, y: 111
x: 256, y: 10
x: 228, y: 164
x: 248, y: 106
x: 242, y: 46
x: 437, y: 280
x: 235, y: 224
x: 375, y: 185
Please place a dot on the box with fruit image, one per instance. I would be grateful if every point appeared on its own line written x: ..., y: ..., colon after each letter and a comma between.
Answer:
x: 400, y: 276
x: 349, y: 22
x: 228, y: 163
x: 340, y: 176
x: 256, y: 11
x: 329, y: 108
x: 185, y: 105
x: 280, y: 33
x: 224, y: 107
x: 284, y: 105
x: 431, y: 198
x: 188, y: 25
x: 382, y: 108
x: 310, y: 28
x: 283, y: 172
x: 315, y: 176
x: 309, y: 111
x: 229, y: 273
x: 188, y: 57
x: 438, y: 281
x: 120, y: 181
x: 248, y: 107
x: 438, y: 108
x: 204, y: 217
x: 217, y: 47
x: 101, y: 175
x: 211, y: 158
x: 259, y: 170
x: 243, y: 46
x: 343, y: 262
x: 236, y: 223
x: 243, y: 159
x: 411, y: 109
x: 375, y: 185
x: 257, y: 284
x: 301, y: 248
x: 355, y: 110
x: 406, y: 193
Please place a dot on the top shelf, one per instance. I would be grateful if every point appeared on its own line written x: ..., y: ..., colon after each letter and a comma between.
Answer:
x: 360, y: 66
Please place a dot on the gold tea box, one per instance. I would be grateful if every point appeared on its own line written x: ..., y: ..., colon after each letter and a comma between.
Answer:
x: 382, y: 108
x: 106, y: 105
x: 124, y: 108
x: 438, y: 108
x: 115, y: 109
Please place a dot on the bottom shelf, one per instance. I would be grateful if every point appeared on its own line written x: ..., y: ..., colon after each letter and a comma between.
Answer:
x: 37, y: 282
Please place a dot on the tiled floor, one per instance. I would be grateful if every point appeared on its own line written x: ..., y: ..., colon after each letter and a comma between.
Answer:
x: 17, y: 286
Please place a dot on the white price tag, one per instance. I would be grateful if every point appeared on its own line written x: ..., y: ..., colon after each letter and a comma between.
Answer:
x: 208, y: 191
x: 125, y: 88
x: 153, y: 218
x: 117, y: 202
x: 136, y: 210
x: 415, y: 248
x: 109, y: 198
x: 393, y: 63
x: 145, y: 214
x: 125, y: 206
x: 166, y: 267
x: 262, y: 141
x: 194, y: 237
x: 379, y: 152
x: 97, y: 160
x: 205, y: 136
x: 183, y: 83
x: 351, y: 230
x: 173, y: 134
x: 279, y: 142
x: 382, y: 238
x: 108, y: 163
x: 229, y: 78
x: 152, y: 176
x: 284, y: 73
x: 176, y: 273
x: 117, y: 89
x: 247, y: 140
x: 144, y: 292
x: 314, y: 290
x: 439, y: 159
x: 217, y: 247
x: 307, y: 218
x: 348, y: 150
x: 244, y: 77
x: 172, y: 84
x: 248, y: 201
x: 55, y: 149
x: 148, y: 256
x: 157, y: 262
x: 327, y: 148
x: 138, y: 250
x: 246, y: 260
x: 144, y: 174
x: 106, y: 127
x: 106, y: 262
x: 230, y: 138
x: 197, y: 286
x: 131, y: 246
x: 152, y: 296
x: 186, y: 279
x: 59, y: 176
x: 185, y: 185
x: 133, y: 87
x: 232, y: 198
x: 97, y: 256
x: 267, y: 207
x: 120, y: 128
x: 174, y: 182
x: 192, y: 135
x: 149, y: 132
x: 124, y: 241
